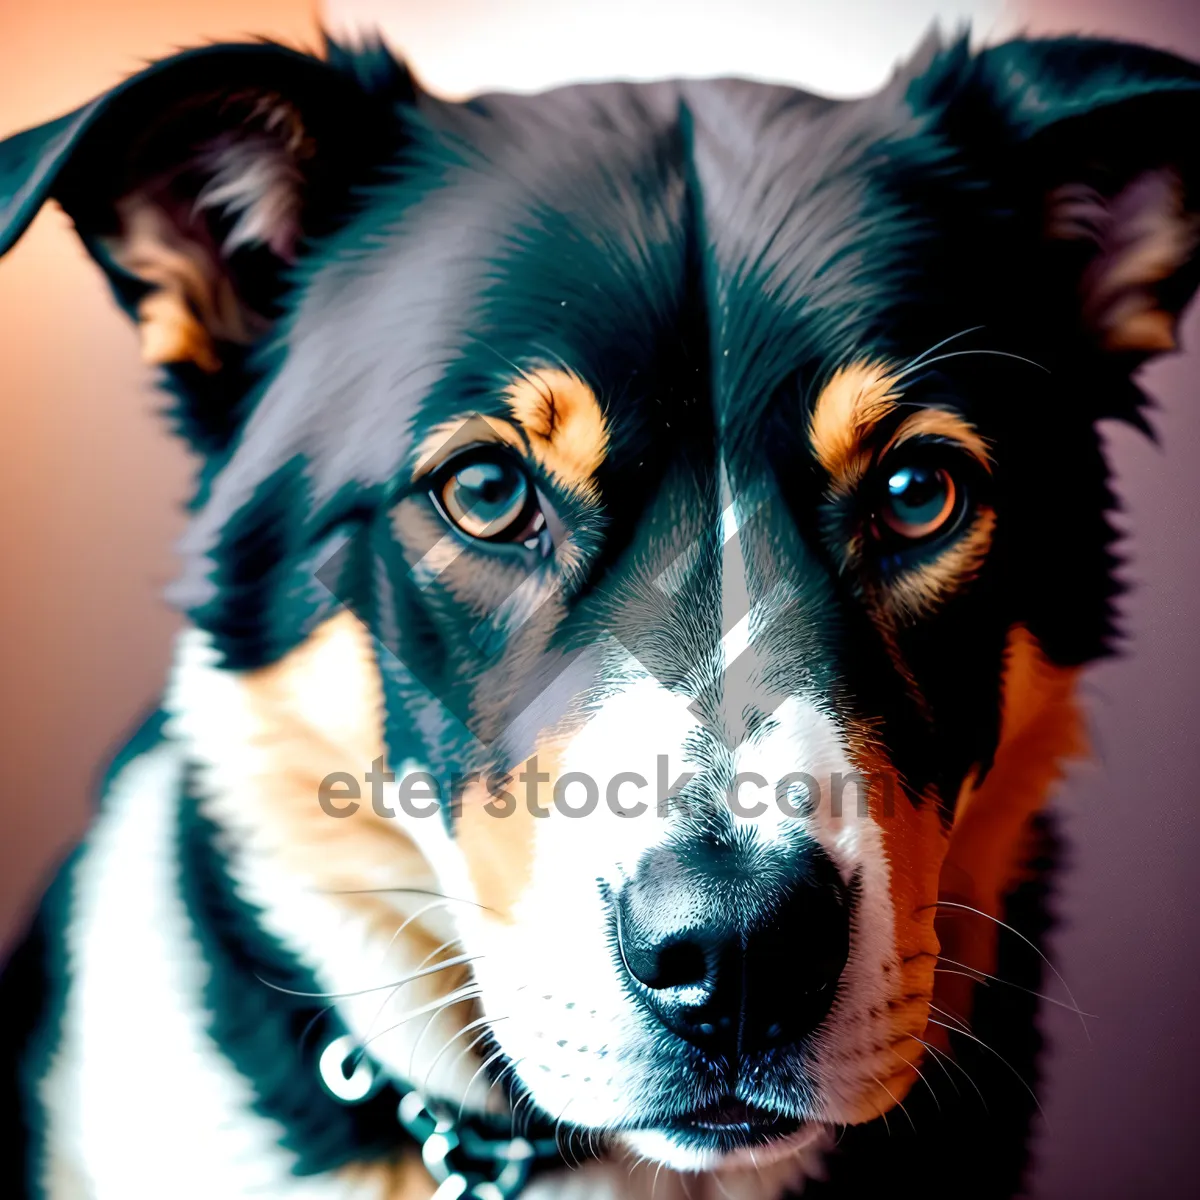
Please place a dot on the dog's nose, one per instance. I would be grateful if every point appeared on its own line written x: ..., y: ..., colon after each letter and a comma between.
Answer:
x: 735, y: 956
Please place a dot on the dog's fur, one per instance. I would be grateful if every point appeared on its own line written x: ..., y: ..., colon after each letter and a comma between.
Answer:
x: 704, y: 317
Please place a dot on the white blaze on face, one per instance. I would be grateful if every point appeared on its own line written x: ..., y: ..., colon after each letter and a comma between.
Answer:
x: 552, y: 975
x: 550, y: 969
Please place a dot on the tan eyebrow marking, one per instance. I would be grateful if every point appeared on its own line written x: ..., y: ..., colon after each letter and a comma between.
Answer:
x: 556, y: 420
x: 442, y: 440
x: 561, y: 416
x: 850, y: 405
x: 848, y: 411
x: 940, y: 422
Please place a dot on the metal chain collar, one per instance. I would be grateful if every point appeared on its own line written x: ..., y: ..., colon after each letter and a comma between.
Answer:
x: 465, y: 1160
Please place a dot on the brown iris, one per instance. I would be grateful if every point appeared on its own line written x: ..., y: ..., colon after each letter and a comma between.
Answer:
x: 919, y: 499
x: 488, y: 497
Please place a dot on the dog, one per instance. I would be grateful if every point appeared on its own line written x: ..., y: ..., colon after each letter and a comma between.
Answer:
x: 646, y: 541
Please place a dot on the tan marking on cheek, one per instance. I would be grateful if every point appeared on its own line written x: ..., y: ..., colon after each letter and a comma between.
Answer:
x: 850, y: 405
x: 918, y: 591
x: 264, y: 742
x: 975, y: 862
x: 500, y: 849
x: 882, y: 1095
x: 563, y: 421
x: 1041, y: 729
x: 915, y: 841
x: 315, y: 712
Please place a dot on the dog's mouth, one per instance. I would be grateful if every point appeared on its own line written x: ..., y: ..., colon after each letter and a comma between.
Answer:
x: 730, y: 1124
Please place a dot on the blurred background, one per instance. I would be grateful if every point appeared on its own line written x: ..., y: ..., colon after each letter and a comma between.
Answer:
x: 91, y: 491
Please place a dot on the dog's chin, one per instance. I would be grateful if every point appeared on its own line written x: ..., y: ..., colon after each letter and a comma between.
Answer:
x: 730, y: 1136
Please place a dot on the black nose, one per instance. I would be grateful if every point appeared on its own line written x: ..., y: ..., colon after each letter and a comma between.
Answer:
x: 734, y: 954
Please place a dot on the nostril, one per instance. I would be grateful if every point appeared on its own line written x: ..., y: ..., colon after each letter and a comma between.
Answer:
x: 675, y: 964
x: 659, y: 959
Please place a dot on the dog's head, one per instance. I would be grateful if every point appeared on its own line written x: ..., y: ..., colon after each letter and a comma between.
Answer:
x: 698, y: 464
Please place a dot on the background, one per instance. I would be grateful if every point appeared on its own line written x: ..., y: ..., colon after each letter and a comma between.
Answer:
x: 91, y: 489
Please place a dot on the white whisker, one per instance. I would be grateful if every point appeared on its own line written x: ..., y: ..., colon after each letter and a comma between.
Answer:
x: 392, y: 995
x: 1017, y: 933
x: 942, y: 1058
x: 965, y: 353
x: 434, y: 1007
x: 483, y: 1023
x: 452, y: 962
x: 984, y: 978
x: 936, y: 1101
x: 483, y: 1066
x: 924, y: 355
x: 992, y: 1050
x: 897, y: 1104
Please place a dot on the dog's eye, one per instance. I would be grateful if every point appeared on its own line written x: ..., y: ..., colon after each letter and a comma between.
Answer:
x: 919, y: 500
x: 489, y: 497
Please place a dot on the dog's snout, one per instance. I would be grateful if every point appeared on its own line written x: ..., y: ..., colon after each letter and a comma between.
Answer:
x: 735, y: 958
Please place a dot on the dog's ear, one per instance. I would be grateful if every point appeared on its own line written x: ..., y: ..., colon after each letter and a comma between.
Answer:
x: 196, y: 185
x: 1091, y: 150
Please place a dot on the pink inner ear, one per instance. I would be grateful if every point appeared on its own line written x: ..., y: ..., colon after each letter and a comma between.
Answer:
x: 256, y: 177
x: 256, y: 181
x: 1142, y: 236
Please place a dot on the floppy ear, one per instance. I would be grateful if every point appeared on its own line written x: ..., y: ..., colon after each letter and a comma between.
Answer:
x: 1094, y: 145
x: 196, y: 185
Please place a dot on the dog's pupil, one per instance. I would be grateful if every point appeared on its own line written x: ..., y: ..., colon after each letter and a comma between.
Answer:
x: 917, y: 492
x: 491, y: 482
x: 491, y: 494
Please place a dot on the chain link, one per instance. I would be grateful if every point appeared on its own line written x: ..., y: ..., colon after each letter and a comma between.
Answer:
x: 465, y: 1163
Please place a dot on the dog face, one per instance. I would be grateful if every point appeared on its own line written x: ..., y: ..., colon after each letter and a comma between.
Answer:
x: 696, y: 463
